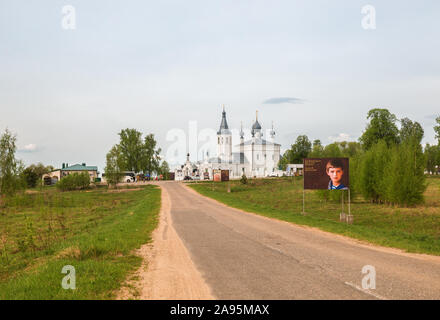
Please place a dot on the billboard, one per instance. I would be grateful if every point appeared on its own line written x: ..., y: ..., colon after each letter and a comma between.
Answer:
x: 326, y: 173
x: 217, y: 175
x: 221, y: 175
x: 225, y: 175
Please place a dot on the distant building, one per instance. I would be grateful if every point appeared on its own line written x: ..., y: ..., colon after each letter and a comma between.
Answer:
x: 256, y: 157
x: 187, y: 170
x: 295, y: 169
x: 57, y: 174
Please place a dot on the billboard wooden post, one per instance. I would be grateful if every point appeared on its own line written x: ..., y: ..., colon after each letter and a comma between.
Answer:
x: 350, y: 216
x: 304, y: 202
x: 349, y: 202
x: 304, y: 191
x: 342, y: 215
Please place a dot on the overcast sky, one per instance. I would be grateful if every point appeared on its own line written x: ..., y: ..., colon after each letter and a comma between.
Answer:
x: 309, y: 66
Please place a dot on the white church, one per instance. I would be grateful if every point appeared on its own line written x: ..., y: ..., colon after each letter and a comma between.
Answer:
x: 256, y: 157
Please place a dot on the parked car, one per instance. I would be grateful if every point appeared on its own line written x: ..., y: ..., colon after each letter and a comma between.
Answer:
x: 196, y: 178
x: 128, y: 179
x: 273, y: 174
x: 187, y: 178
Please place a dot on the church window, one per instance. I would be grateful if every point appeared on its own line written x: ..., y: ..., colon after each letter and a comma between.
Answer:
x: 218, y: 140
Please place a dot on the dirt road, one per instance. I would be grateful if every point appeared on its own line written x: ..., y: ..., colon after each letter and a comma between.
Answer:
x: 237, y: 255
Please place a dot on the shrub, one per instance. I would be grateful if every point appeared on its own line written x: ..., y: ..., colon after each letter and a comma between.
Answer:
x: 30, y: 177
x: 392, y: 174
x: 244, y: 179
x: 74, y: 181
x: 11, y: 169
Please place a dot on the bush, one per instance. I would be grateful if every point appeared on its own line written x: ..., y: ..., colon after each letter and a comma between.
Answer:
x: 392, y: 174
x: 74, y: 181
x: 244, y: 179
x: 11, y: 169
x: 30, y: 177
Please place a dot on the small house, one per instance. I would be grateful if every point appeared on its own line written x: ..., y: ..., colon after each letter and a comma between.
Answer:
x: 56, y: 175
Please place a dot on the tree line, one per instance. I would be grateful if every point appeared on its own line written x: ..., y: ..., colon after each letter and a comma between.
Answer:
x: 387, y: 164
x: 134, y: 153
x: 14, y: 175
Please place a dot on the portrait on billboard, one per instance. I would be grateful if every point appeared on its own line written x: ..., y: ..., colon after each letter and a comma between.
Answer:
x: 326, y: 173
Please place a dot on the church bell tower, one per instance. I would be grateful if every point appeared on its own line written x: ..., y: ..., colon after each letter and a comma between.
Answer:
x: 224, y: 140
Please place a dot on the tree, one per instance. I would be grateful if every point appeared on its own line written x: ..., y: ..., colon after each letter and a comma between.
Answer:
x: 31, y: 177
x: 317, y: 149
x: 382, y: 126
x: 351, y: 149
x: 164, y: 170
x: 394, y: 175
x: 333, y: 150
x: 34, y: 173
x: 437, y: 130
x: 405, y: 181
x: 10, y: 168
x: 284, y: 160
x: 432, y: 155
x: 372, y: 169
x: 410, y: 129
x: 115, y: 165
x: 299, y: 150
x: 150, y: 155
x: 130, y: 146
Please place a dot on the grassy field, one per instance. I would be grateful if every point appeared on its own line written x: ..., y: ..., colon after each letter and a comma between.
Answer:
x: 415, y: 229
x: 95, y: 231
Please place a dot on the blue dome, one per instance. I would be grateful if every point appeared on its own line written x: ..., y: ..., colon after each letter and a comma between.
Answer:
x: 256, y: 125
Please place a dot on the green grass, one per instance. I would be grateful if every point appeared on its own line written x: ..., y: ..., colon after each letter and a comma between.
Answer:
x: 95, y: 231
x: 415, y: 229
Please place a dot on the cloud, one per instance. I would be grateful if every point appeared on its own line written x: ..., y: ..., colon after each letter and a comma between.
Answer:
x: 279, y: 100
x: 340, y: 137
x: 29, y: 148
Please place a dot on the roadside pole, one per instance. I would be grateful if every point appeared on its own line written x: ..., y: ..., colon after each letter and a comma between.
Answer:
x: 349, y: 217
x: 342, y: 215
x: 304, y: 195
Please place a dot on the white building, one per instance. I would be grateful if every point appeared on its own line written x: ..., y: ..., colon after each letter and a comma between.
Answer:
x: 188, y: 169
x: 256, y: 157
x: 294, y: 169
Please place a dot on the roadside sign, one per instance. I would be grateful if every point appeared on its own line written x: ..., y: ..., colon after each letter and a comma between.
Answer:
x: 326, y: 173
